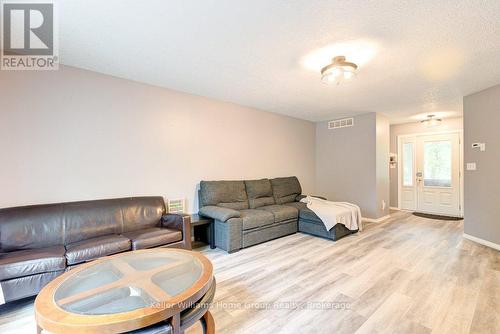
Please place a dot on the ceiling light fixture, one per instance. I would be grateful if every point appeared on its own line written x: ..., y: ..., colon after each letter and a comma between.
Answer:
x: 431, y: 121
x: 338, y: 71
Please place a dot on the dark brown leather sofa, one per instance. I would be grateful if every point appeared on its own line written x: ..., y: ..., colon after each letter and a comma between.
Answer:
x: 40, y: 242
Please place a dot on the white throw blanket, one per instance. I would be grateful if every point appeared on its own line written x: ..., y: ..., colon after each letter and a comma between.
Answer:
x: 333, y: 213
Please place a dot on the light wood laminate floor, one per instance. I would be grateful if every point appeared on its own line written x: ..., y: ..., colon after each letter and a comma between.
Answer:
x: 404, y: 275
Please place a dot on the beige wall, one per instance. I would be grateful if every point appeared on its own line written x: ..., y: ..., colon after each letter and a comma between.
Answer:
x: 73, y: 135
x: 382, y: 172
x: 482, y: 195
x: 448, y: 124
x: 347, y: 161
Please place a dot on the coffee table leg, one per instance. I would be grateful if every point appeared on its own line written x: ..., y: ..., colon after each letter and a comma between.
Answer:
x: 176, y: 324
x: 211, y: 229
x: 208, y: 323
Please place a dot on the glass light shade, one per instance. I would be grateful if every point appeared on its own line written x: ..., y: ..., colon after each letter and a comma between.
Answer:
x: 337, y: 74
x: 431, y: 121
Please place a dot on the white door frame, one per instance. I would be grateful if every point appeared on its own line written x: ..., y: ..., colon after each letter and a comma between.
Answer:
x: 460, y: 171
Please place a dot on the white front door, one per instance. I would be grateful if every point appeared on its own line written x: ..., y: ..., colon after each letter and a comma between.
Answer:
x: 430, y: 178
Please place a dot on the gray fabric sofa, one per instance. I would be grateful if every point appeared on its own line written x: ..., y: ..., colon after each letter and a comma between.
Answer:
x: 250, y: 212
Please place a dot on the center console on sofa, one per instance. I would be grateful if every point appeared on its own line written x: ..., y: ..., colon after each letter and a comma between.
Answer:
x: 253, y: 211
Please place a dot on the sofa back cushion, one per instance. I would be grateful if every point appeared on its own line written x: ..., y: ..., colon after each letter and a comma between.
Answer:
x: 260, y: 193
x: 227, y: 194
x: 34, y: 226
x: 286, y: 189
x: 141, y: 212
x: 89, y: 219
x: 39, y: 226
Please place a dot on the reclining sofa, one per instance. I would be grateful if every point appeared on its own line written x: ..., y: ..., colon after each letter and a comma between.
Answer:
x: 250, y: 212
x: 40, y: 242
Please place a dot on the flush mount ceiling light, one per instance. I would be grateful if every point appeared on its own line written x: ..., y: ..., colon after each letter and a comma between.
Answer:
x: 338, y: 71
x: 431, y: 121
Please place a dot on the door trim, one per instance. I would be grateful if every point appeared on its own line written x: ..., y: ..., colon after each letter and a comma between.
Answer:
x: 460, y: 170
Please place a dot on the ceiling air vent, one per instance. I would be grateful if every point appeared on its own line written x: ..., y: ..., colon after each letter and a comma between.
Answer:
x: 341, y: 123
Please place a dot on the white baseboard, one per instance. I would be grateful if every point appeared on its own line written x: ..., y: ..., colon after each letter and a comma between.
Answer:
x: 371, y: 220
x: 482, y: 241
x: 394, y: 208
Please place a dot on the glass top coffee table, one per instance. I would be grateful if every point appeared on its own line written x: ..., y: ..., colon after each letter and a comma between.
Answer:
x: 124, y: 292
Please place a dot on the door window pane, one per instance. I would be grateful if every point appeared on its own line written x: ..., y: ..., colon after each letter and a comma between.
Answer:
x: 437, y: 164
x: 408, y: 164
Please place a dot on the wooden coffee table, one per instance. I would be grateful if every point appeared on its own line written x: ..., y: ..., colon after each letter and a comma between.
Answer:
x: 125, y: 292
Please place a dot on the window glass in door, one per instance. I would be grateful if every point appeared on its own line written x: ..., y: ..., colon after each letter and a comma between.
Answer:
x: 408, y: 164
x: 437, y: 164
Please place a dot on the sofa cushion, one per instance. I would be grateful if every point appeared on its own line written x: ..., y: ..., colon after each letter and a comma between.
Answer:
x: 305, y: 212
x: 281, y: 212
x: 227, y: 194
x: 253, y: 218
x: 151, y: 237
x: 286, y: 189
x: 96, y: 247
x: 260, y: 193
x: 31, y: 227
x: 27, y: 286
x: 309, y: 214
x: 91, y: 219
x: 297, y: 205
x: 31, y: 262
x: 141, y: 212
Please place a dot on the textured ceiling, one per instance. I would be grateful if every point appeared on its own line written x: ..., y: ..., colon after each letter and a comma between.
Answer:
x: 415, y: 56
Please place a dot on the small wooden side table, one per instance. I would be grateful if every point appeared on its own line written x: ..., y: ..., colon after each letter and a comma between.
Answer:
x: 196, y: 220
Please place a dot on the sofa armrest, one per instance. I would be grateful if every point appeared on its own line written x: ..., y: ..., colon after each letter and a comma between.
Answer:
x: 219, y: 213
x: 175, y: 221
x: 181, y: 222
x: 299, y: 197
x: 228, y: 235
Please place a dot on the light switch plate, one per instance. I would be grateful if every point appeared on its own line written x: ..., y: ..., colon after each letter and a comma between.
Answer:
x: 471, y: 166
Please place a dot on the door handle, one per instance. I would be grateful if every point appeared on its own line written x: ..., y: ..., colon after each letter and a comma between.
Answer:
x: 419, y: 176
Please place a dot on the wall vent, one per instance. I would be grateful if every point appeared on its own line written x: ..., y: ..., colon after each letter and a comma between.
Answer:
x: 341, y: 123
